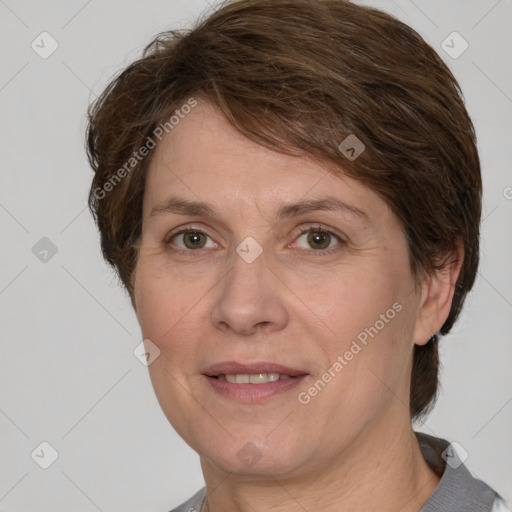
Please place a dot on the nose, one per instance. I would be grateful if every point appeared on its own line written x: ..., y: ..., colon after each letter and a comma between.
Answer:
x: 249, y: 299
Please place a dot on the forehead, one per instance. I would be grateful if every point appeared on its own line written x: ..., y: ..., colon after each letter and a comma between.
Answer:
x: 204, y: 159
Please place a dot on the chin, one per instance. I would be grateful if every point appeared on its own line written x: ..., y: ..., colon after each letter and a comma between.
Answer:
x: 261, y: 466
x: 252, y: 456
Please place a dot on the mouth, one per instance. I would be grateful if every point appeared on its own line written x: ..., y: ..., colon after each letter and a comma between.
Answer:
x: 250, y: 383
x: 252, y: 378
x: 254, y: 373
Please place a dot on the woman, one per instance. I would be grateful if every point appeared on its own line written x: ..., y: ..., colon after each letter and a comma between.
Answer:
x: 291, y: 195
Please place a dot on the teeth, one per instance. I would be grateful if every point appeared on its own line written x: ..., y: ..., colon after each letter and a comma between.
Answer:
x: 258, y: 378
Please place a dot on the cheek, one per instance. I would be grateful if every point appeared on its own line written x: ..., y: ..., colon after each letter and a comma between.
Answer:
x: 166, y: 317
x: 170, y: 311
x: 159, y: 309
x: 370, y: 318
x: 352, y: 303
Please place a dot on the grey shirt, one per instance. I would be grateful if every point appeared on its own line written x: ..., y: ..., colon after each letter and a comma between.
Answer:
x: 457, y: 491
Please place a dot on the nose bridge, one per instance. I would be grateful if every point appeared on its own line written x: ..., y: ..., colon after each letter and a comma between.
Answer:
x: 245, y: 282
x: 248, y: 295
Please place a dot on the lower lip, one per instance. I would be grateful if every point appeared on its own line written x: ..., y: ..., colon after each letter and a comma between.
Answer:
x: 249, y: 393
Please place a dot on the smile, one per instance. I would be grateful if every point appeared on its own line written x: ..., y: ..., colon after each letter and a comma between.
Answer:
x: 253, y: 378
x: 252, y: 388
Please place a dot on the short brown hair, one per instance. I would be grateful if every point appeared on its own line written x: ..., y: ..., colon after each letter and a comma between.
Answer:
x: 298, y: 77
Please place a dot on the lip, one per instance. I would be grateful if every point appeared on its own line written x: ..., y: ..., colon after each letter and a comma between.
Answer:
x: 233, y: 367
x: 252, y: 393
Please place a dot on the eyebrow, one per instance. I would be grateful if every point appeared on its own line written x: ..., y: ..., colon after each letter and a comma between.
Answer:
x: 179, y: 206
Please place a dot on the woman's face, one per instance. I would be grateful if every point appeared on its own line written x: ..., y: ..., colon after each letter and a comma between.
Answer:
x: 325, y: 291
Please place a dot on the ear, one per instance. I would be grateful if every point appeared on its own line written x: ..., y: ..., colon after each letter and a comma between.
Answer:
x: 436, y: 298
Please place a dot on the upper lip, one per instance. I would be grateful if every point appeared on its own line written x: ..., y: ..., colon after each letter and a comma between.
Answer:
x: 234, y: 367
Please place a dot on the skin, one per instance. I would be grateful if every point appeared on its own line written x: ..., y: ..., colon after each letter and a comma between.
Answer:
x: 352, y: 446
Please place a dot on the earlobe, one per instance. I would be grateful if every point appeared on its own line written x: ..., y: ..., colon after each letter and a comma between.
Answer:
x: 436, y: 298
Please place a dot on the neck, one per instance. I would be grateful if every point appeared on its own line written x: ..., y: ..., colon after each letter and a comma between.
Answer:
x: 382, y: 470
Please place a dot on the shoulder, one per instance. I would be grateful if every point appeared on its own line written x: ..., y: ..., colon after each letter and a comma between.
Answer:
x: 458, y: 490
x: 194, y: 504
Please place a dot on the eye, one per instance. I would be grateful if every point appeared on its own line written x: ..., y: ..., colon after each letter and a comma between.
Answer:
x: 191, y: 239
x: 320, y: 239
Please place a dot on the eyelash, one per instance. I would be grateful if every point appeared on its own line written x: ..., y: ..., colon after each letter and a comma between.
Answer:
x: 314, y: 228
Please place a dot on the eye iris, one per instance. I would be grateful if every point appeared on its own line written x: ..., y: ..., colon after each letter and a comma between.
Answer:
x: 195, y: 237
x: 316, y: 237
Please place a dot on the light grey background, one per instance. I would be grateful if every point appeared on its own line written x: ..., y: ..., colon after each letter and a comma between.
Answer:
x: 68, y: 374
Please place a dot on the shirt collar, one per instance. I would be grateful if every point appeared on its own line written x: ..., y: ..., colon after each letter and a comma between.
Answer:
x: 458, y: 490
